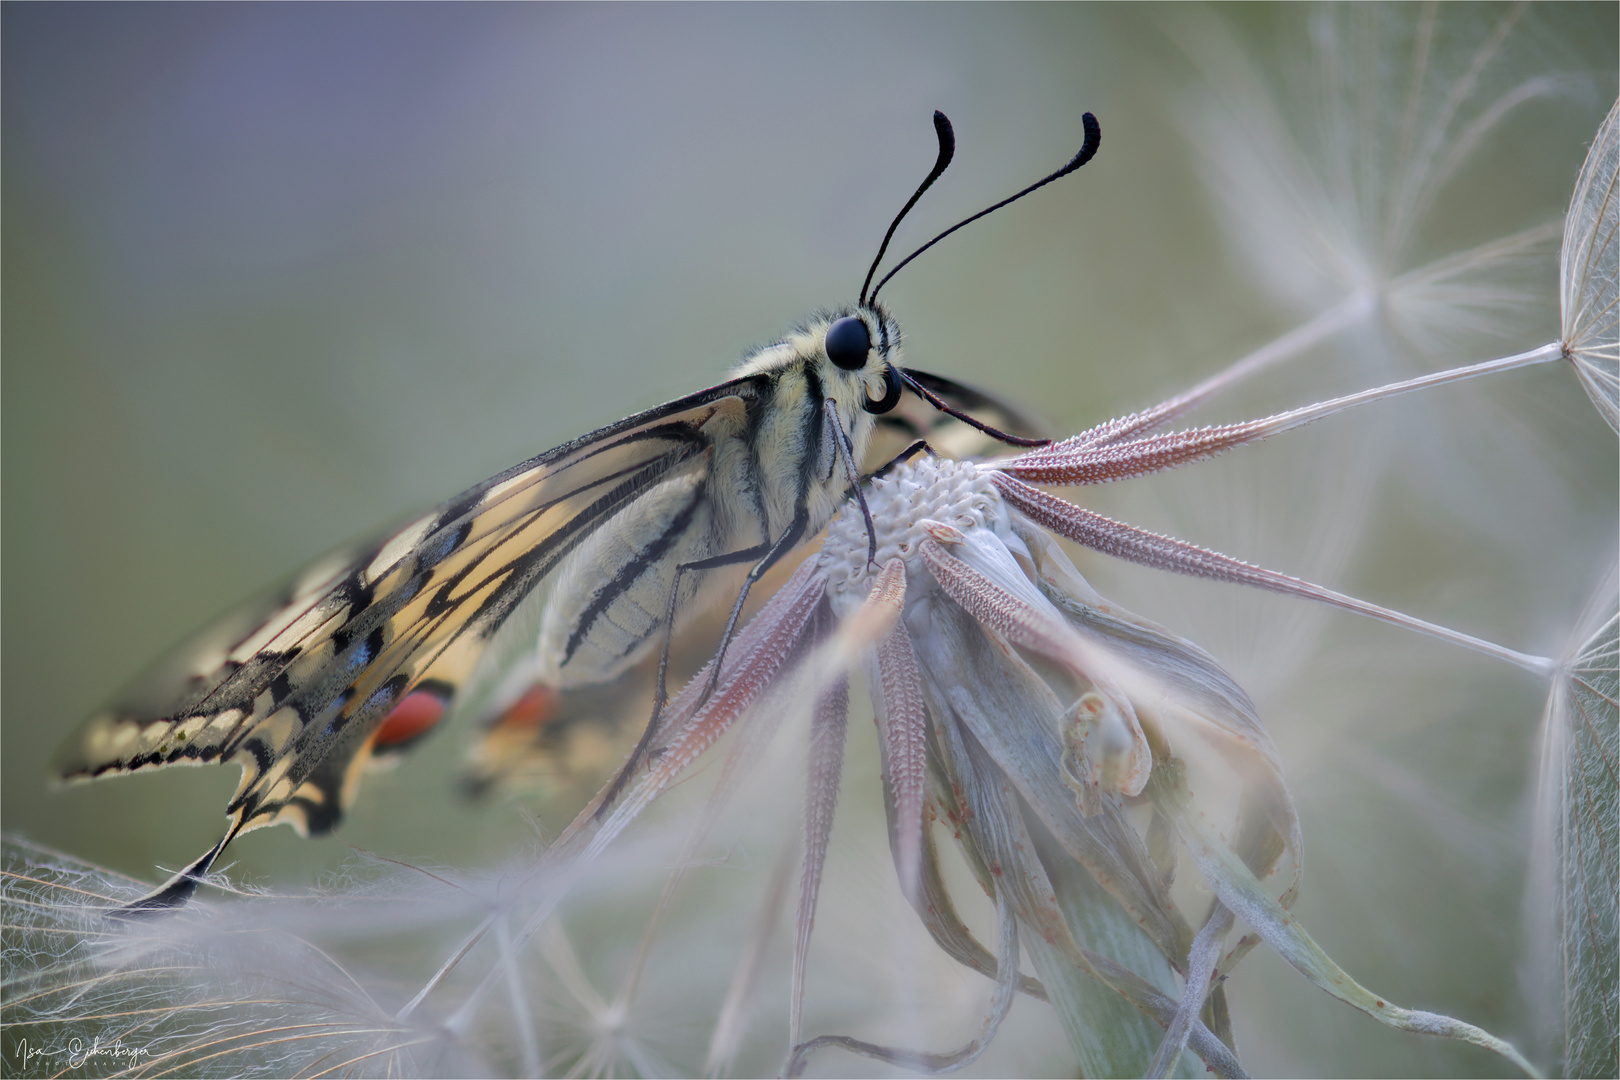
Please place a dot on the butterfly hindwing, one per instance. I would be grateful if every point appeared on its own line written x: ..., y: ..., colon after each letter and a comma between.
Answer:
x: 294, y: 686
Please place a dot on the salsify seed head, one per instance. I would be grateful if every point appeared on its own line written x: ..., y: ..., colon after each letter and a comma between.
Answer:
x: 907, y: 506
x: 1041, y: 721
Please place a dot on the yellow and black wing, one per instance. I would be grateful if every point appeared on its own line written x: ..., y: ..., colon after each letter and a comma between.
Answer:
x: 295, y: 687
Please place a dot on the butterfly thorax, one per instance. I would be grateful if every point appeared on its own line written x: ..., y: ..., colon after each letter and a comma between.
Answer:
x: 793, y: 449
x: 772, y: 467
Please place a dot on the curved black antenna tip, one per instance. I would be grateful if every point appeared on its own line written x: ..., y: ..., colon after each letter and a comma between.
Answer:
x: 1088, y: 148
x: 947, y: 139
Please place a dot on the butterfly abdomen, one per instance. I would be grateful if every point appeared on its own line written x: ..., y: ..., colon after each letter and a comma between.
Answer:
x: 611, y: 597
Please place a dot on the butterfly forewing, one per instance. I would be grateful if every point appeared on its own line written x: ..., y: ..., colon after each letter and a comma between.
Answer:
x: 292, y: 689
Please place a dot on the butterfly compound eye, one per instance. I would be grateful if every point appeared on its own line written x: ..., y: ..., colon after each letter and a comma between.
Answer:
x: 848, y: 343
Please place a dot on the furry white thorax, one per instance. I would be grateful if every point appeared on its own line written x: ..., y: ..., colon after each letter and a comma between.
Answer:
x: 755, y: 478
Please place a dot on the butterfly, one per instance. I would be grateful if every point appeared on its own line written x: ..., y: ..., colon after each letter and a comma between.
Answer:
x: 632, y: 529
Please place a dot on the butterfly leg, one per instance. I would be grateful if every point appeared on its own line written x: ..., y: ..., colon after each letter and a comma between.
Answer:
x: 846, y: 452
x: 786, y: 543
x: 904, y: 456
x: 769, y: 555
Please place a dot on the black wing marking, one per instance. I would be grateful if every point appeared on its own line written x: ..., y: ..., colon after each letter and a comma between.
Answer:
x: 293, y: 688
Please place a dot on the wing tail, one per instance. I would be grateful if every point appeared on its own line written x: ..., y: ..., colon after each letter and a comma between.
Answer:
x: 178, y: 889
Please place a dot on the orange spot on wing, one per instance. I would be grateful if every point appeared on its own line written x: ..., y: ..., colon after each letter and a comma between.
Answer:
x: 531, y: 711
x: 410, y: 719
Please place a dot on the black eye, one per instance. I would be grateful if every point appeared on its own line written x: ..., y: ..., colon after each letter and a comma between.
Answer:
x: 848, y: 342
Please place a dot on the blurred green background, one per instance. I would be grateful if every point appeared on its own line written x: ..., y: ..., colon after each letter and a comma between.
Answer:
x: 274, y: 275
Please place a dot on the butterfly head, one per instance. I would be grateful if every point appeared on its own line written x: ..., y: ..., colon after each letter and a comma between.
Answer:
x: 851, y: 355
x: 862, y: 345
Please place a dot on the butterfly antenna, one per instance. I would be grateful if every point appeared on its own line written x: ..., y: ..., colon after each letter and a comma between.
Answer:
x: 947, y: 150
x: 1088, y: 150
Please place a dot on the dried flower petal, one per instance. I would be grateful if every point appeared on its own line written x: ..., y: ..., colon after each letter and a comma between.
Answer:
x: 903, y: 724
x: 824, y: 767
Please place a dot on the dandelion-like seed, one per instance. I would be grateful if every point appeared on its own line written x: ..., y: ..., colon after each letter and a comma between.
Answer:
x: 1589, y: 273
x: 1329, y: 212
x: 219, y: 989
x: 1575, y: 873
